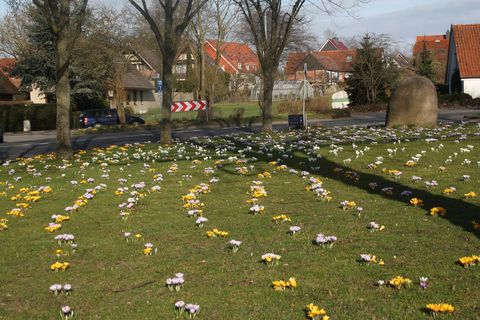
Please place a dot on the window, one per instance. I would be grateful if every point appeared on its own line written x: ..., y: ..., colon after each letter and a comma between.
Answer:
x: 349, y: 59
x: 239, y: 65
x: 255, y: 67
x: 180, y: 68
x: 247, y: 66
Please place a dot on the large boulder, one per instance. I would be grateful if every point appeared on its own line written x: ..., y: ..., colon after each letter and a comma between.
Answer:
x: 414, y: 103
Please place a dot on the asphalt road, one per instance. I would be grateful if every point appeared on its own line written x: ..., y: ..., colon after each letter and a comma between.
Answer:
x: 33, y: 143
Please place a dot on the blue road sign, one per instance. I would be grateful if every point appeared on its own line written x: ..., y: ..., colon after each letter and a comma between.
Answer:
x: 159, y: 85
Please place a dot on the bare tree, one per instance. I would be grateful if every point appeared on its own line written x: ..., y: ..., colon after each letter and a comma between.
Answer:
x: 329, y: 34
x: 13, y: 35
x: 198, y: 32
x: 65, y: 19
x: 177, y: 15
x: 225, y: 19
x: 107, y: 35
x: 270, y: 23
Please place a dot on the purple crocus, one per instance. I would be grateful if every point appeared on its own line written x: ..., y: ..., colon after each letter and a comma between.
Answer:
x: 423, y: 282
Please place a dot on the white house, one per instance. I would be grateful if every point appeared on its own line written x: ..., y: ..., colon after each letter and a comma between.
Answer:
x: 463, y: 64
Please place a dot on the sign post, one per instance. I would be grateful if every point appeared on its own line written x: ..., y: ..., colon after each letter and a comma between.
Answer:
x: 159, y: 89
x: 206, y: 109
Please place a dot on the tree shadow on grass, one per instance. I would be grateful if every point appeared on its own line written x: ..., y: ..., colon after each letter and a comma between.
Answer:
x: 459, y: 212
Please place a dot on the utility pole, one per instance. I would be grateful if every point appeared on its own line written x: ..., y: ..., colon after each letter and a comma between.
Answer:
x: 265, y: 24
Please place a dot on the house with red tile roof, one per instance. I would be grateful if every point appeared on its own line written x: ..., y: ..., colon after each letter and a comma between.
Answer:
x: 144, y: 71
x: 235, y: 57
x: 333, y: 45
x: 463, y: 64
x: 11, y: 88
x: 438, y: 46
x: 323, y: 67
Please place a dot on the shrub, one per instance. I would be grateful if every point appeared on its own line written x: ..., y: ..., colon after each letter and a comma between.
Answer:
x: 289, y: 107
x: 341, y: 113
x: 455, y: 100
x: 82, y: 102
x: 322, y: 104
x: 237, y: 115
x: 217, y: 113
x: 41, y: 116
x: 12, y: 116
x: 370, y: 107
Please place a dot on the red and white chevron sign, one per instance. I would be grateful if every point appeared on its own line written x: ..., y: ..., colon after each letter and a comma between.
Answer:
x: 184, y: 106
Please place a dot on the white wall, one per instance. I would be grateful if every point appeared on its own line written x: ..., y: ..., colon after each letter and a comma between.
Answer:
x: 472, y: 87
x: 36, y: 96
x: 149, y: 101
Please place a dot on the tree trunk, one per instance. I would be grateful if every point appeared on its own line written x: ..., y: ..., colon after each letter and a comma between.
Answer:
x: 211, y: 97
x: 121, y: 113
x: 202, y: 115
x: 64, y: 145
x: 201, y: 71
x: 268, y: 82
x: 166, y: 120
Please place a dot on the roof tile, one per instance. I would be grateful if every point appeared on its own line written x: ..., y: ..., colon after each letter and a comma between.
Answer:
x: 235, y: 53
x: 467, y: 45
x: 438, y: 44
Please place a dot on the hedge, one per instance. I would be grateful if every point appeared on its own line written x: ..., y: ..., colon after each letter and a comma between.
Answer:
x: 41, y: 116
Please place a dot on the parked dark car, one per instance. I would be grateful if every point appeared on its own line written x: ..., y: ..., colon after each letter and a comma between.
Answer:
x: 105, y: 117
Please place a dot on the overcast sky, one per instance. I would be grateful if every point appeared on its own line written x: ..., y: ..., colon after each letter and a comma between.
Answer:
x: 402, y: 19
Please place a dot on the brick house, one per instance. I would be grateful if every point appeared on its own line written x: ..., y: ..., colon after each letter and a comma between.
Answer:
x: 436, y: 44
x: 323, y: 67
x: 235, y: 58
x: 333, y: 45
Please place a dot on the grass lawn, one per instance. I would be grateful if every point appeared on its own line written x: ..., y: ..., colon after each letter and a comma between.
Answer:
x: 313, y: 173
x: 226, y: 111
